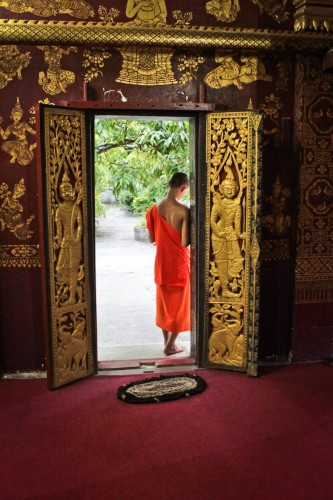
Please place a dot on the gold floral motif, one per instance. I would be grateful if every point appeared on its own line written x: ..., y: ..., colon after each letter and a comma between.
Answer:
x: 223, y: 10
x: 75, y: 8
x: 108, y: 16
x: 19, y: 149
x: 182, y: 19
x: 231, y: 73
x: 12, y: 62
x: 56, y: 79
x: 19, y: 256
x: 32, y: 110
x: 189, y: 66
x: 11, y: 211
x: 94, y: 61
x: 146, y: 66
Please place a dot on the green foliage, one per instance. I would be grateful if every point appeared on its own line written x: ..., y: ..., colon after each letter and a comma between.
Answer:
x: 136, y: 159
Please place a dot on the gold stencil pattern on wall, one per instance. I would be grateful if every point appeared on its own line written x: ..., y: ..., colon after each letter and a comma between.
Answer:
x: 11, y: 211
x: 32, y: 110
x: 188, y: 64
x: 277, y: 222
x: 183, y: 20
x: 93, y: 62
x: 56, y: 79
x: 19, y: 149
x: 223, y: 10
x: 231, y: 72
x: 314, y: 107
x: 19, y: 256
x: 106, y: 15
x: 271, y: 112
x: 147, y: 12
x: 75, y: 8
x: 12, y: 62
x: 274, y: 8
x: 146, y: 66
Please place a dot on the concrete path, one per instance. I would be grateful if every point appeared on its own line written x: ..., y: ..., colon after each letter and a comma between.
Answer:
x: 125, y: 292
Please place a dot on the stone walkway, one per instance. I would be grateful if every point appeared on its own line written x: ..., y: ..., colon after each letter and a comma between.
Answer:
x: 125, y: 292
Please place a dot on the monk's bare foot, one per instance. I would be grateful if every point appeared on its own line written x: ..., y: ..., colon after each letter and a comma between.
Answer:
x: 173, y: 349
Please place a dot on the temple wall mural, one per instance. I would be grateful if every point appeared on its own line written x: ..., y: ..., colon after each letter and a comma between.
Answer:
x: 290, y: 91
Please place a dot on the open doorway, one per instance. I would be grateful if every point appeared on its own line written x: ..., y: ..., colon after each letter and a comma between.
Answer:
x: 134, y: 159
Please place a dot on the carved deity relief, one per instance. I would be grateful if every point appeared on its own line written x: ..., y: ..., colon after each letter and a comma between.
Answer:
x: 56, y: 79
x: 277, y: 222
x: 228, y: 186
x: 12, y: 62
x: 68, y: 243
x: 231, y: 73
x: 75, y: 8
x: 11, y: 211
x: 72, y: 349
x: 19, y: 149
x: 223, y: 10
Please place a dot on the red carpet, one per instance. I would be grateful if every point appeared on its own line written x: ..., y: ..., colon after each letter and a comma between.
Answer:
x: 242, y: 438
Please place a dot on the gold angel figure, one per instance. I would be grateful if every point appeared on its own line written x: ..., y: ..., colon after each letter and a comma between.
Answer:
x: 11, y: 211
x: 56, y: 79
x: 19, y: 149
x: 223, y: 10
x: 12, y: 63
x: 68, y: 240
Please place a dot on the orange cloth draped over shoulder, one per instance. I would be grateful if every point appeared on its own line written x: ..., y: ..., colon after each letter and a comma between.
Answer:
x: 172, y: 274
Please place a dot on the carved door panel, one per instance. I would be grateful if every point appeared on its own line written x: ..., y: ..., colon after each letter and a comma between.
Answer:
x: 66, y: 250
x: 232, y: 229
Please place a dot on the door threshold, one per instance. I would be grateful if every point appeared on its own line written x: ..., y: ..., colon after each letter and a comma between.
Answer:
x: 145, y: 365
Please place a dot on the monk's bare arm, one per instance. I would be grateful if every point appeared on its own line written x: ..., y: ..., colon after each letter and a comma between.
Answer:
x: 186, y: 228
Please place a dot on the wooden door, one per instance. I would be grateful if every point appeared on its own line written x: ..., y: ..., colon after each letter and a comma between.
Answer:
x: 232, y: 237
x: 66, y: 244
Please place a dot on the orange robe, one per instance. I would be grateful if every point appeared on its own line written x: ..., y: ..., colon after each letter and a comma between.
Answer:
x: 172, y: 275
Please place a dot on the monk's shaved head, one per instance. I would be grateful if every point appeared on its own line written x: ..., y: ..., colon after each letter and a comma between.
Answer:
x: 179, y: 179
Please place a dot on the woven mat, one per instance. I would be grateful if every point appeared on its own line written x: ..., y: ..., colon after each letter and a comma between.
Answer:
x: 161, y: 389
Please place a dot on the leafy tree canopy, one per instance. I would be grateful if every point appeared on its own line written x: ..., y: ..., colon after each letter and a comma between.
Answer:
x: 136, y: 158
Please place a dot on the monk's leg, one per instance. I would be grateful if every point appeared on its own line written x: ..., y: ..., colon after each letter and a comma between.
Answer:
x: 166, y: 336
x: 171, y: 347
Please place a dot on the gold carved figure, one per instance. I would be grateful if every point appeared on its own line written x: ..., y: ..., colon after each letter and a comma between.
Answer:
x: 226, y: 219
x: 277, y: 222
x: 11, y: 211
x: 223, y: 10
x: 56, y: 79
x: 231, y: 73
x: 72, y: 349
x: 75, y: 8
x: 68, y: 243
x: 12, y: 62
x: 226, y: 343
x: 147, y: 12
x: 19, y: 149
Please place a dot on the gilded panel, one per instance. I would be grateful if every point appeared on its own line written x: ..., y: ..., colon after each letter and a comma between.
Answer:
x: 67, y: 246
x: 232, y: 239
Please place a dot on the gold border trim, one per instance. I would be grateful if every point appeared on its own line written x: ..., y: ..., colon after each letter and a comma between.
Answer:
x: 15, y: 31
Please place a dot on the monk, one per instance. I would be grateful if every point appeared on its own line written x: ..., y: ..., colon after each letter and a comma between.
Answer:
x: 168, y: 226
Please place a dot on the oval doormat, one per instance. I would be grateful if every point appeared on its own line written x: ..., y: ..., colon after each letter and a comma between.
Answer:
x: 161, y: 389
